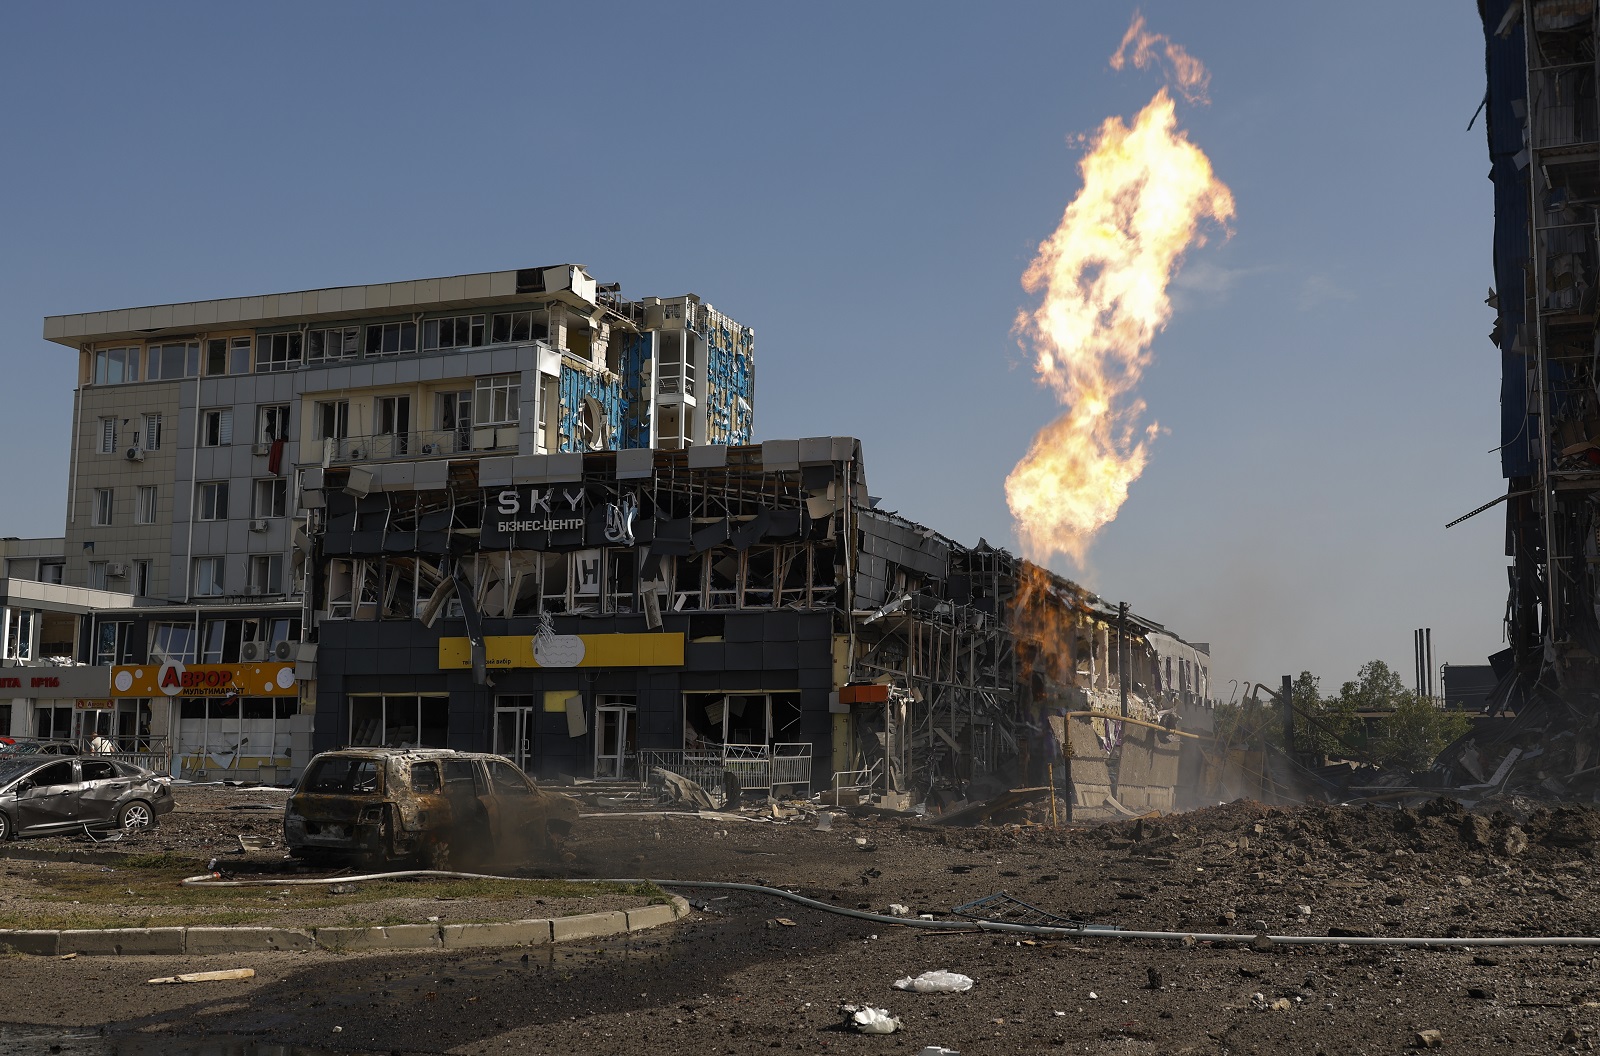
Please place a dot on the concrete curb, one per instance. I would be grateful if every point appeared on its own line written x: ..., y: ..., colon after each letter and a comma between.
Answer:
x: 131, y: 942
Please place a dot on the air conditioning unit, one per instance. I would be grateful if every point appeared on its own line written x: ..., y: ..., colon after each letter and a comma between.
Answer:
x: 250, y: 651
x: 283, y: 651
x: 355, y: 453
x: 260, y: 449
x: 253, y: 588
x: 429, y: 449
x: 134, y: 454
x: 258, y: 525
x: 116, y: 571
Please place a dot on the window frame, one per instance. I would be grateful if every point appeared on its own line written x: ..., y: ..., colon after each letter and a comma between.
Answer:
x: 376, y: 339
x: 146, y: 503
x: 222, y: 434
x: 276, y: 492
x: 218, y: 565
x: 279, y: 352
x: 108, y: 434
x: 126, y: 359
x: 265, y: 574
x: 272, y: 422
x: 150, y: 435
x: 497, y: 400
x: 316, y: 344
x: 102, y: 513
x: 211, y: 500
x: 340, y: 410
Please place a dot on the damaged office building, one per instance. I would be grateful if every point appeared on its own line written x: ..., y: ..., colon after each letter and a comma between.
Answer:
x: 741, y: 609
x: 1543, y: 125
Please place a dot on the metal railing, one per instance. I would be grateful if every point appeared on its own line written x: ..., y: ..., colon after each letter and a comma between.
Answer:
x: 757, y: 766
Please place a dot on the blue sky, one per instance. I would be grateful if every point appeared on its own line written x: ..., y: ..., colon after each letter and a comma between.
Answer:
x: 864, y: 185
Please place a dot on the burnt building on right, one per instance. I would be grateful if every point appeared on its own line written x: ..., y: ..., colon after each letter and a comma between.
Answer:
x: 1543, y: 122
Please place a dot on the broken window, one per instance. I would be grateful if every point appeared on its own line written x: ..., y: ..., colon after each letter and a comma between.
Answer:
x: 553, y: 579
x: 506, y: 327
x: 824, y: 577
x: 688, y: 582
x: 399, y: 589
x: 399, y: 721
x: 227, y: 355
x: 333, y: 420
x: 723, y: 587
x: 622, y: 580
x: 391, y: 339
x: 333, y: 344
x: 272, y: 423
x: 759, y: 577
x: 461, y: 331
x: 276, y: 352
x: 549, y: 411
x: 216, y: 427
x: 794, y: 574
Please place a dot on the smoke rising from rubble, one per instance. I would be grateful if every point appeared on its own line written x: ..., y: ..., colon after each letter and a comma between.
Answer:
x: 1103, y: 275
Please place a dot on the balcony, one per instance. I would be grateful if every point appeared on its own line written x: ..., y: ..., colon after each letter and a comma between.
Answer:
x: 421, y: 443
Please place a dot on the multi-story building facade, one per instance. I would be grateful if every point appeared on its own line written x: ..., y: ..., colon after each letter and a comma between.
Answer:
x: 194, y: 423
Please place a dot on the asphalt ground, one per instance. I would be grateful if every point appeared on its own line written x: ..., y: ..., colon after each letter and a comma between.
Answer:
x: 737, y: 979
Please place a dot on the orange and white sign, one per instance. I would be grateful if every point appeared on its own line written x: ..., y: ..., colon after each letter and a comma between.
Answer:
x: 203, y: 680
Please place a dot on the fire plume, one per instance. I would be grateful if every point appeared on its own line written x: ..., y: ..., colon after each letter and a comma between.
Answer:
x: 1103, y: 276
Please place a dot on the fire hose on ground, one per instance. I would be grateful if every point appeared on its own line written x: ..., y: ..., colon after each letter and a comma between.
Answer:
x: 1003, y: 927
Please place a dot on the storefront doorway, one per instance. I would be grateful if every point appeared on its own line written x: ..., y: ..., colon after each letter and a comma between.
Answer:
x: 513, y: 733
x: 616, y: 722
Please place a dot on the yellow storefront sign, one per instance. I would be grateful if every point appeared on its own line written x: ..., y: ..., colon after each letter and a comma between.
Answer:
x: 270, y: 679
x: 567, y: 650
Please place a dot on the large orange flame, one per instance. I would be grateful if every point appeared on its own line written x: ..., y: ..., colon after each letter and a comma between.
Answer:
x: 1104, y: 275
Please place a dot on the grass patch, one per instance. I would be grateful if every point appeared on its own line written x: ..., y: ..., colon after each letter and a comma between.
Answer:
x: 152, y: 896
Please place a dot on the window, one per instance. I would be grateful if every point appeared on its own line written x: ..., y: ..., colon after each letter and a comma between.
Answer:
x: 113, y: 643
x: 342, y: 775
x: 108, y: 436
x: 142, y: 577
x: 113, y: 366
x: 340, y: 342
x: 144, y: 506
x: 60, y: 773
x: 508, y: 780
x: 227, y: 355
x: 272, y: 423
x: 277, y: 352
x: 97, y: 575
x: 462, y: 331
x: 19, y: 634
x: 549, y: 411
x: 208, y: 576
x: 425, y: 779
x: 216, y: 427
x: 399, y: 721
x: 266, y: 574
x: 333, y: 420
x: 181, y: 360
x: 389, y: 339
x: 498, y: 400
x: 52, y: 571
x: 213, y: 504
x: 172, y: 642
x: 150, y: 438
x: 511, y: 326
x: 272, y: 496
x: 104, y: 499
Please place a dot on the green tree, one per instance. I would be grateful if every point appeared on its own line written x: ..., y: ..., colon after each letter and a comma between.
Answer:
x: 1415, y: 732
x: 1376, y: 688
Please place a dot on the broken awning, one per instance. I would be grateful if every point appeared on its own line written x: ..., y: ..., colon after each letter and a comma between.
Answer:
x: 598, y: 650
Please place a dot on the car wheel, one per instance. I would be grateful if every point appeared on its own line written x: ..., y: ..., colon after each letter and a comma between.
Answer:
x: 6, y: 831
x: 135, y: 816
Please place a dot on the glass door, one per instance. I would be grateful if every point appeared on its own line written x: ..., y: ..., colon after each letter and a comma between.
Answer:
x: 513, y: 735
x: 616, y: 725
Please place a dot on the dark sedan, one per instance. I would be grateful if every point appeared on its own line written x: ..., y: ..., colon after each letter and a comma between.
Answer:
x: 43, y: 794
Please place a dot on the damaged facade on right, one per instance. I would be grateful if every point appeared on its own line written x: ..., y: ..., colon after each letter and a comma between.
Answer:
x: 1543, y: 124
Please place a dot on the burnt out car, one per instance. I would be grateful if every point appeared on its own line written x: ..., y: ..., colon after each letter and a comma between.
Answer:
x: 440, y: 807
x: 43, y: 793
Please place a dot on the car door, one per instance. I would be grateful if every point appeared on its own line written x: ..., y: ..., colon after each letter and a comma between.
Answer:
x: 53, y: 799
x: 518, y: 822
x: 103, y: 789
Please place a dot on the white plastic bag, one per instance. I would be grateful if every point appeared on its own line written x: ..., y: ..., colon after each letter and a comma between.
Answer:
x: 938, y: 1050
x: 940, y: 982
x: 869, y: 1020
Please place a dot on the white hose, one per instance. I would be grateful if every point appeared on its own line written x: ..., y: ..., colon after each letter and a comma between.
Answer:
x: 1087, y: 932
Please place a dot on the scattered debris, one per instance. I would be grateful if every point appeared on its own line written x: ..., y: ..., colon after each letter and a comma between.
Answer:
x: 898, y: 910
x: 865, y: 1019
x: 1002, y: 908
x: 1428, y: 1039
x: 783, y: 921
x: 676, y: 788
x: 936, y: 982
x: 223, y: 976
